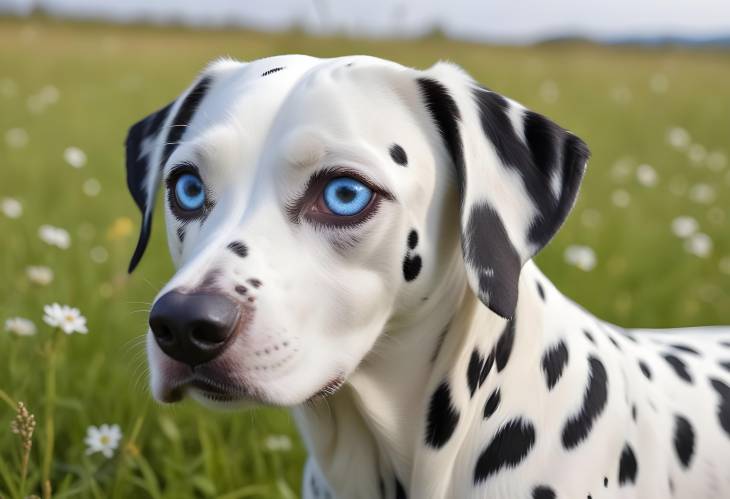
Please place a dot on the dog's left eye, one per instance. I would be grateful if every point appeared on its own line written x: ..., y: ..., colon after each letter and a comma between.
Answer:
x: 189, y: 192
x: 345, y: 196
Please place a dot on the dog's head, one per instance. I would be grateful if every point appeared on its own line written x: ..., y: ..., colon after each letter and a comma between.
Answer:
x: 310, y: 202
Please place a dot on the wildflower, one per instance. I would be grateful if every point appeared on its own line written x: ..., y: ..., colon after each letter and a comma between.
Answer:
x: 678, y: 137
x: 120, y: 228
x: 39, y: 274
x: 278, y: 443
x: 104, y: 439
x: 16, y: 138
x: 582, y: 257
x: 699, y: 244
x: 646, y: 175
x: 55, y: 236
x: 20, y: 326
x: 68, y: 319
x: 11, y: 207
x: 23, y: 425
x: 74, y: 156
x: 92, y: 187
x: 684, y: 226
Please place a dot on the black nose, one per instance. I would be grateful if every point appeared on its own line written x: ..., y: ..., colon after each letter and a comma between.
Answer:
x: 193, y: 328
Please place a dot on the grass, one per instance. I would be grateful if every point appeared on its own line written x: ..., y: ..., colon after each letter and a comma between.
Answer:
x: 109, y: 77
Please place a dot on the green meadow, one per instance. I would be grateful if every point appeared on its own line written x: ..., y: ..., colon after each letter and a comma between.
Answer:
x: 648, y: 243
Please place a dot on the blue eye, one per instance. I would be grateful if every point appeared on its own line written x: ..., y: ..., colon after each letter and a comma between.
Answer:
x: 189, y: 192
x: 346, y: 196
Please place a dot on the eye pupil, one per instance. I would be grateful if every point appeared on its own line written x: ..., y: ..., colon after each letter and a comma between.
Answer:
x: 346, y: 194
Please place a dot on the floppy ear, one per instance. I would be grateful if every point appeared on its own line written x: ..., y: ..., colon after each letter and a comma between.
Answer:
x: 149, y: 144
x: 518, y: 175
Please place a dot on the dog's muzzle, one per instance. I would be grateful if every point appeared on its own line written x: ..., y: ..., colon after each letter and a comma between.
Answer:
x: 194, y: 328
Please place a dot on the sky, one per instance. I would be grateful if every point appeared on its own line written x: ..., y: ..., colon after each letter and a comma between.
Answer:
x: 507, y: 21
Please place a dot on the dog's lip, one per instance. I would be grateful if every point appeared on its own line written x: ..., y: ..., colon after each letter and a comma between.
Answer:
x: 207, y: 387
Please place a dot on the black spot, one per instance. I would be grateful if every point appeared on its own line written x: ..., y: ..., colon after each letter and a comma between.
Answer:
x: 508, y: 447
x: 723, y: 408
x: 256, y: 283
x: 680, y: 368
x: 725, y: 343
x: 473, y: 370
x: 671, y: 485
x: 400, y: 492
x: 605, y: 481
x: 614, y: 342
x: 543, y: 492
x: 633, y: 412
x: 411, y: 267
x: 381, y: 487
x: 627, y: 468
x: 725, y: 365
x: 238, y: 248
x: 540, y: 291
x: 272, y: 70
x: 399, y: 155
x: 504, y: 345
x: 412, y: 239
x: 241, y: 290
x: 442, y: 417
x: 489, y: 253
x: 684, y: 440
x: 589, y: 336
x: 486, y: 367
x: 685, y: 348
x: 579, y: 425
x: 492, y: 403
x: 554, y: 361
x: 181, y: 233
x: 645, y: 369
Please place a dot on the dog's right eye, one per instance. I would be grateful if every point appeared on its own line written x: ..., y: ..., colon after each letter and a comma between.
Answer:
x: 189, y: 192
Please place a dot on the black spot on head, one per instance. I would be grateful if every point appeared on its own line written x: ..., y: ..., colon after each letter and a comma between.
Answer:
x: 579, y: 425
x: 723, y: 408
x: 628, y: 467
x: 181, y: 233
x: 398, y: 154
x: 256, y: 283
x: 543, y: 492
x: 508, y: 447
x: 685, y: 349
x: 411, y: 267
x: 492, y: 403
x: 554, y: 361
x: 589, y: 336
x: 412, y: 239
x: 241, y: 290
x: 725, y: 365
x: 605, y: 481
x: 679, y: 367
x: 645, y: 369
x: 238, y: 248
x: 272, y: 70
x: 504, y: 345
x: 442, y: 417
x: 684, y: 440
x: 540, y: 291
x: 633, y: 412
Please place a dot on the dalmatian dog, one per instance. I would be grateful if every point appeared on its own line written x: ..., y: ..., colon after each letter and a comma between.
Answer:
x: 353, y: 241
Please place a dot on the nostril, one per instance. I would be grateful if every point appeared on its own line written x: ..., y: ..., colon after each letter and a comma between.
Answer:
x: 162, y: 333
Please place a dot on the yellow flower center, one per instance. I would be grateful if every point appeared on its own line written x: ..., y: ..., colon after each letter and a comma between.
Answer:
x: 69, y: 317
x: 104, y: 439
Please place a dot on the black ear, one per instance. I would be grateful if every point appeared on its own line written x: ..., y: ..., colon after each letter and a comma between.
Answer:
x: 140, y: 147
x: 149, y: 145
x: 518, y: 175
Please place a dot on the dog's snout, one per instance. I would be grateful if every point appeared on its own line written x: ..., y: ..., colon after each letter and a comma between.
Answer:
x: 193, y: 327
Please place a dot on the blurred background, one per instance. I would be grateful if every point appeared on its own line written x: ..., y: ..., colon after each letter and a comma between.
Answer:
x: 648, y: 244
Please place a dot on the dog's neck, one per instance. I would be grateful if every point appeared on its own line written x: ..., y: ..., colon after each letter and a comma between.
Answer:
x: 365, y: 437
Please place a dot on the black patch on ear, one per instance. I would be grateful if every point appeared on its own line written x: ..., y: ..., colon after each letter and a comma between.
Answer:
x: 579, y: 425
x: 509, y: 446
x: 628, y: 467
x: 272, y: 70
x: 684, y: 440
x: 446, y: 116
x: 398, y: 154
x: 184, y: 115
x: 489, y: 252
x: 442, y: 417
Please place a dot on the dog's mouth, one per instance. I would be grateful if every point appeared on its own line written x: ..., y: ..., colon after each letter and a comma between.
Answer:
x: 206, y: 388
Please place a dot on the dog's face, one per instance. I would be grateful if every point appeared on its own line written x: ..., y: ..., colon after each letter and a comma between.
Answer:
x: 310, y: 202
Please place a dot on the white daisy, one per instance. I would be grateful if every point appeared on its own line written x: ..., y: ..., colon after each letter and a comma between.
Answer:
x: 39, y: 274
x: 68, y: 319
x: 278, y: 443
x: 699, y: 244
x: 646, y: 175
x: 20, y: 326
x: 678, y: 137
x: 11, y: 207
x: 55, y: 236
x: 684, y: 226
x: 74, y: 156
x: 582, y: 257
x: 104, y: 439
